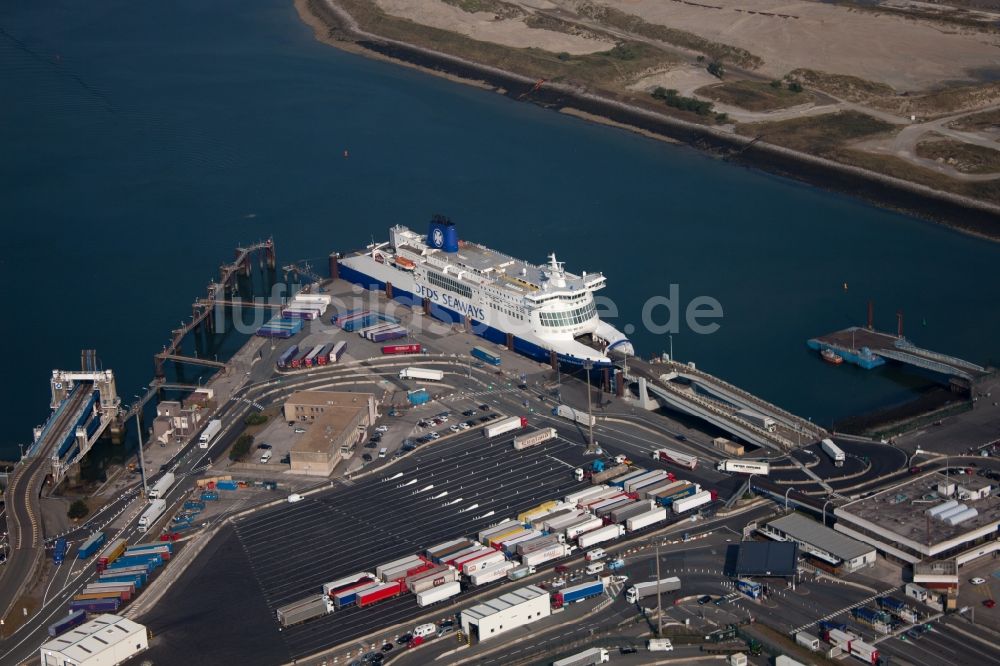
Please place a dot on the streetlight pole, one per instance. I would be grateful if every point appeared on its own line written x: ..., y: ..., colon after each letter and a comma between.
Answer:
x: 671, y: 348
x: 786, y: 498
x: 142, y: 460
x: 591, y: 448
x: 824, y: 511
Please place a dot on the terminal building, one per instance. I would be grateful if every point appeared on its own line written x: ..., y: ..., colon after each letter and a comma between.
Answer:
x: 927, y: 522
x: 335, y: 422
x: 510, y: 611
x: 104, y: 641
x: 826, y: 546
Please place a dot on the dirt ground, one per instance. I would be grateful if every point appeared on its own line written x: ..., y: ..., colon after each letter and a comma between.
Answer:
x: 908, y: 55
x: 484, y: 26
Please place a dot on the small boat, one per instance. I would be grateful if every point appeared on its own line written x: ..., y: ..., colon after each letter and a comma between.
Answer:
x: 831, y: 357
x: 404, y: 263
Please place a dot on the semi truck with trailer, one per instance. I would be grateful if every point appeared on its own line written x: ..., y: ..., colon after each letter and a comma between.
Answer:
x: 428, y: 374
x: 92, y: 544
x: 643, y: 590
x: 437, y: 594
x: 646, y: 519
x: 608, y: 533
x: 74, y: 619
x: 759, y: 420
x: 538, y: 557
x: 590, y: 657
x: 575, y: 593
x: 517, y: 573
x: 578, y: 496
x: 678, y: 458
x: 152, y: 513
x: 567, y: 412
x: 583, y: 527
x: 208, y: 435
x: 835, y: 452
x: 608, y: 473
x: 502, y: 426
x: 161, y: 486
x: 303, y: 610
x: 485, y: 356
x: 692, y: 501
x: 529, y: 439
x: 491, y: 573
x: 744, y: 467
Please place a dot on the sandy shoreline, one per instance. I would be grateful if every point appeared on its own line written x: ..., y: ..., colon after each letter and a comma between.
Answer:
x: 335, y: 27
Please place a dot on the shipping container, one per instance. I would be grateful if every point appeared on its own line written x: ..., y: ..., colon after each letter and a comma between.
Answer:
x: 408, y: 561
x: 727, y: 446
x: 438, y: 594
x: 595, y: 537
x: 74, y: 619
x: 485, y: 356
x: 530, y: 439
x: 90, y: 546
x: 646, y: 519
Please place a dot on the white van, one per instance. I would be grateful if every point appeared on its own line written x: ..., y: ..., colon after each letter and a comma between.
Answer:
x: 265, y: 457
x: 595, y: 568
x: 382, y: 452
x: 596, y: 554
x: 425, y: 630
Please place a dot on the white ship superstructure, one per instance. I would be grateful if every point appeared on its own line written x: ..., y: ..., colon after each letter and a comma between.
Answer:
x: 544, y: 307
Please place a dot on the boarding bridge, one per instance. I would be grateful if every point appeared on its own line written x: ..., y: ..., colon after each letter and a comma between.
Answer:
x: 83, y: 405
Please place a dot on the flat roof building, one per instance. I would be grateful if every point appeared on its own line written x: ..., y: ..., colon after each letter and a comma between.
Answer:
x: 510, y: 611
x: 104, y: 641
x: 336, y: 421
x: 925, y: 518
x: 762, y: 558
x: 822, y: 542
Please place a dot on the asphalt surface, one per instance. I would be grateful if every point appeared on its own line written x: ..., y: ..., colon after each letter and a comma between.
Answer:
x: 23, y: 515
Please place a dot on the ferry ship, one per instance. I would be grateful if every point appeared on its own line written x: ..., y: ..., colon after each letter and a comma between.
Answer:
x: 542, y: 311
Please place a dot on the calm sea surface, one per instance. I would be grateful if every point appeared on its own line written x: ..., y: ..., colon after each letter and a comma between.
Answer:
x: 140, y: 142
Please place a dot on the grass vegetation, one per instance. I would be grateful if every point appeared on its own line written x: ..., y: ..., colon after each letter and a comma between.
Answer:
x: 255, y: 419
x: 499, y: 8
x: 850, y: 88
x: 984, y: 190
x: 614, y: 18
x: 608, y: 70
x: 755, y: 95
x: 961, y: 156
x: 977, y: 122
x: 818, y: 135
x: 670, y: 97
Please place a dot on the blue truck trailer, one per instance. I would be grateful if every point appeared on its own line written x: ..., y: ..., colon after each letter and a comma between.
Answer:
x: 74, y: 619
x: 485, y: 356
x: 108, y: 605
x: 91, y: 545
x: 578, y: 593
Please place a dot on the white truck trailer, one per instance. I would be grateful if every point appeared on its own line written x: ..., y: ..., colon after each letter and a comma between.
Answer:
x: 745, y: 467
x: 643, y: 590
x: 508, y: 424
x: 568, y: 412
x: 588, y: 539
x: 209, y: 433
x: 153, y: 513
x: 759, y: 420
x: 421, y: 373
x: 835, y: 452
x: 161, y: 486
x: 590, y: 657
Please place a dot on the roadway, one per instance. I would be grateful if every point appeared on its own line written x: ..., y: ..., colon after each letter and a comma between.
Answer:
x: 23, y: 514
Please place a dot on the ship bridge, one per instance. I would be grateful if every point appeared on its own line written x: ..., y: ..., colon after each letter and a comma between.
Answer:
x: 84, y: 403
x: 688, y: 390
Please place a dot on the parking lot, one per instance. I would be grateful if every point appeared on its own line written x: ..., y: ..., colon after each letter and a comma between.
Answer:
x: 447, y: 490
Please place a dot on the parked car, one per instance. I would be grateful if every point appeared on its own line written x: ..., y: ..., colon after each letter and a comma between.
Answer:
x: 435, y: 435
x: 702, y: 600
x: 464, y: 425
x: 263, y: 445
x: 299, y: 431
x: 977, y: 580
x: 404, y: 639
x: 989, y: 603
x: 387, y: 647
x: 367, y: 457
x: 484, y: 407
x: 382, y: 428
x: 469, y: 412
x: 680, y: 438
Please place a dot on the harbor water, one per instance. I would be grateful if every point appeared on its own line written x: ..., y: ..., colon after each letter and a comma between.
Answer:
x: 142, y: 142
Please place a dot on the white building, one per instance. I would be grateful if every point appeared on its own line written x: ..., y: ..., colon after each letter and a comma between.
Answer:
x: 510, y: 611
x: 821, y: 542
x: 106, y: 640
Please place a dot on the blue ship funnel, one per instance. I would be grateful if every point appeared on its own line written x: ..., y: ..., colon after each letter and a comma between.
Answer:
x: 442, y: 234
